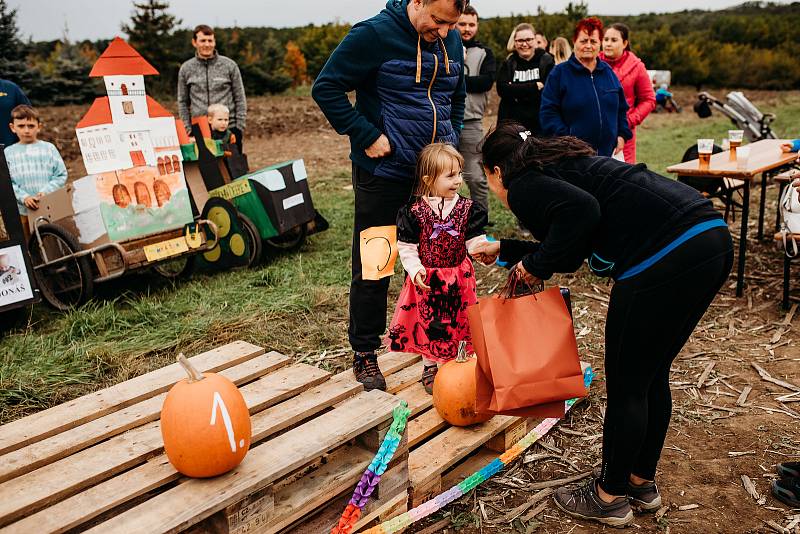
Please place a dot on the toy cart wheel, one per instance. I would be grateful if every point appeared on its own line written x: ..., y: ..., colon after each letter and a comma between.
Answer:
x: 291, y: 240
x: 250, y: 232
x: 175, y: 268
x: 67, y: 283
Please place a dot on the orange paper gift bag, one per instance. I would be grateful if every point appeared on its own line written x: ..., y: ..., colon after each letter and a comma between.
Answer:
x: 528, y: 361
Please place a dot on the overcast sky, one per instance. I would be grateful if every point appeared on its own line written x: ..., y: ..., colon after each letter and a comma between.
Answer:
x: 97, y: 19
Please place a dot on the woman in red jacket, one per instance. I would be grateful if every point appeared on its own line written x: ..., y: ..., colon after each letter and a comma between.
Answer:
x: 633, y: 76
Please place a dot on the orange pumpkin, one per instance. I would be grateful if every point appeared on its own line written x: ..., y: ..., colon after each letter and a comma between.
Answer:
x: 454, y: 391
x: 205, y: 424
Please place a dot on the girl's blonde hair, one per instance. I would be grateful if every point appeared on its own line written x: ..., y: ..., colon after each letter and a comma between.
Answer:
x: 434, y: 160
x: 560, y: 50
x: 521, y: 26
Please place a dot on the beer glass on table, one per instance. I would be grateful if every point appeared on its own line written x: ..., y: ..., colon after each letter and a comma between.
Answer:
x: 705, y: 147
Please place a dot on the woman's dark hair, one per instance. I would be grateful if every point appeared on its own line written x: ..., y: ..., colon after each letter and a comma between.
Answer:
x: 623, y: 30
x: 513, y: 150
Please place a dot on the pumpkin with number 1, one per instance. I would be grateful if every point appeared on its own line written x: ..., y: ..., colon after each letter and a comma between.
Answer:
x: 205, y: 424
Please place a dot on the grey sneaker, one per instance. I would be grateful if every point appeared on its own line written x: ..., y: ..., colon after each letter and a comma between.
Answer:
x: 644, y: 498
x: 365, y: 367
x: 584, y: 503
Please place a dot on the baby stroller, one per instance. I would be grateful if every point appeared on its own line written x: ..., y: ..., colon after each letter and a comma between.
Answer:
x: 741, y: 111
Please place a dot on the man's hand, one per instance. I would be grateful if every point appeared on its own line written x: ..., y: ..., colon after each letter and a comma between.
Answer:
x: 419, y: 280
x: 32, y: 203
x: 620, y: 145
x: 379, y: 148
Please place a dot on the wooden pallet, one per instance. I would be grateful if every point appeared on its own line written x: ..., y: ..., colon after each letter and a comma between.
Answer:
x: 97, y: 463
x: 442, y: 455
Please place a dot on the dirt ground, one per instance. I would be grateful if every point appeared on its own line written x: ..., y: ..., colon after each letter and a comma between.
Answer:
x: 718, y: 434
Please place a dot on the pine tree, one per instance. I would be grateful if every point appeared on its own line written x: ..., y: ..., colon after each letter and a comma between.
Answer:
x: 12, y: 50
x: 150, y: 33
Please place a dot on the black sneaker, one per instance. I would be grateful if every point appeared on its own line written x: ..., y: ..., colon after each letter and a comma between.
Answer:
x: 645, y: 497
x: 583, y: 502
x: 365, y: 367
x: 787, y: 490
x: 428, y: 376
x: 788, y: 469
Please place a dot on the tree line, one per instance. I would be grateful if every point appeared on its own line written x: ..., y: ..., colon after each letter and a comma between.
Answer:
x: 748, y: 46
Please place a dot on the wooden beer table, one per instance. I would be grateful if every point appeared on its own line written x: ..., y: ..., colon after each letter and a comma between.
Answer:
x: 766, y: 159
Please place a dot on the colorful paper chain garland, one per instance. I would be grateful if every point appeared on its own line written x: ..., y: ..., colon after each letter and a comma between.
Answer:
x: 440, y: 501
x: 372, y: 476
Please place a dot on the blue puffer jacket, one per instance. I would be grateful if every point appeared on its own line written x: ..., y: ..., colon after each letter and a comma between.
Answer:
x: 406, y: 88
x: 589, y: 105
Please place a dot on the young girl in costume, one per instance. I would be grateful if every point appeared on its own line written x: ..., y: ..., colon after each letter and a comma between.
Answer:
x: 435, y: 231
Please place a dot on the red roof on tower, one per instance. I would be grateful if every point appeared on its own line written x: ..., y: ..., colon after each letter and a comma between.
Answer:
x: 119, y: 59
x: 100, y: 112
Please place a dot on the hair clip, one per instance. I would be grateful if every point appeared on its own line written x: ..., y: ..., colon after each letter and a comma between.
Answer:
x: 524, y: 135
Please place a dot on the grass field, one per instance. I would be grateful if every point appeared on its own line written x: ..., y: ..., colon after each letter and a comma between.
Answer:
x: 295, y: 303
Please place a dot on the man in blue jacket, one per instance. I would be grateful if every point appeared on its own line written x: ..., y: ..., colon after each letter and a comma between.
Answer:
x: 11, y: 96
x: 406, y: 67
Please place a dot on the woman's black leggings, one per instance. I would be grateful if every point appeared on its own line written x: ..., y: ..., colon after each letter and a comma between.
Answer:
x: 650, y: 318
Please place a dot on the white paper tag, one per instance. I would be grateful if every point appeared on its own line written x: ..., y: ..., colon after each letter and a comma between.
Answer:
x: 293, y: 201
x: 272, y: 179
x: 299, y: 170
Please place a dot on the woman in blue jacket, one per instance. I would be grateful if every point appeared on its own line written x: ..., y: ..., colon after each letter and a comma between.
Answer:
x: 583, y: 97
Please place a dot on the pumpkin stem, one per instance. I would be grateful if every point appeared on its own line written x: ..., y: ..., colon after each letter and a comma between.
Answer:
x: 462, y: 352
x: 194, y: 374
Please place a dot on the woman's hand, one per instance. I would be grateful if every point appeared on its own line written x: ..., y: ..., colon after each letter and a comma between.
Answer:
x: 419, y: 280
x: 620, y: 144
x: 526, y: 276
x: 786, y: 147
x: 486, y: 252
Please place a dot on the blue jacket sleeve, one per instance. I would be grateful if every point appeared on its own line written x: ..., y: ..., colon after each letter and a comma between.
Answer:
x: 550, y: 111
x: 623, y: 128
x: 347, y: 68
x: 796, y: 145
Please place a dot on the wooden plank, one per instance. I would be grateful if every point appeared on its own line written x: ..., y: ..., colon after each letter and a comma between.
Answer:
x: 40, y: 425
x: 194, y: 500
x: 424, y: 426
x: 78, y: 509
x: 281, y: 385
x: 432, y: 458
x: 383, y: 509
x: 473, y: 463
x: 90, y: 503
x: 339, y: 475
x: 404, y: 378
x: 65, y: 477
x: 61, y: 445
x: 417, y: 398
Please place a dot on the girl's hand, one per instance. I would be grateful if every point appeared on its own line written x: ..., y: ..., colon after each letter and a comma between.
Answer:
x: 419, y: 280
x: 526, y: 276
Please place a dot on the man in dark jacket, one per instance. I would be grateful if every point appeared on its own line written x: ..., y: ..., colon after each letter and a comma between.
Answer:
x: 406, y: 67
x: 479, y: 69
x: 11, y: 96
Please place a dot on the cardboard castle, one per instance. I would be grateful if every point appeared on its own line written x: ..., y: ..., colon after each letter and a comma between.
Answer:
x: 131, y: 147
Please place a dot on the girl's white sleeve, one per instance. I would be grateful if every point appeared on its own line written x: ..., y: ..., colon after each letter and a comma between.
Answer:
x: 409, y: 257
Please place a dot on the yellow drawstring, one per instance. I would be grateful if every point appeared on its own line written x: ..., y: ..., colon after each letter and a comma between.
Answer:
x: 446, y: 60
x: 419, y: 58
